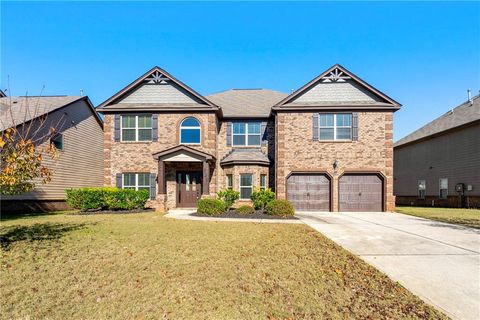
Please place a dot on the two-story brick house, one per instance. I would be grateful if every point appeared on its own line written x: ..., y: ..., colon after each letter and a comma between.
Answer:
x: 326, y: 146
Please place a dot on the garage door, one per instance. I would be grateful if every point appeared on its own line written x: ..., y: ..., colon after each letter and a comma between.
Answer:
x: 309, y: 192
x: 360, y: 193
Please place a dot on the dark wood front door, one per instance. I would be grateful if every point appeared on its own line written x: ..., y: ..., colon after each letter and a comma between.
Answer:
x: 360, y: 193
x: 189, y: 188
x: 309, y: 192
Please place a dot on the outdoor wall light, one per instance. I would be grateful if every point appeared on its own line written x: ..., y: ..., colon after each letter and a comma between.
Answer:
x: 335, y: 164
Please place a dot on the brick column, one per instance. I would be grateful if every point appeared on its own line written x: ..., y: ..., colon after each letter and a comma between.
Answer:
x: 161, y: 177
x: 206, y: 178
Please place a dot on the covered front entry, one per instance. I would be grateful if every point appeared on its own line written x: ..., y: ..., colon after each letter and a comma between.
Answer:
x: 183, y: 175
x: 189, y: 188
x: 309, y: 191
x: 360, y: 192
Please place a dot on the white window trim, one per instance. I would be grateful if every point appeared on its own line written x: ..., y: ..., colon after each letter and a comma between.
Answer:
x: 264, y: 187
x: 242, y: 186
x: 228, y: 187
x: 335, y: 127
x: 199, y: 128
x: 136, y: 180
x: 440, y: 188
x: 424, y: 189
x: 136, y: 128
x: 246, y: 134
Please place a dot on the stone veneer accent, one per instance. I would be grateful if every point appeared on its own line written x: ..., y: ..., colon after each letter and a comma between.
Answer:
x: 373, y: 152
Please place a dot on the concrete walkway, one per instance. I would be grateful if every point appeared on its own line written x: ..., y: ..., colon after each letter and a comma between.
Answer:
x: 439, y: 262
x: 186, y: 215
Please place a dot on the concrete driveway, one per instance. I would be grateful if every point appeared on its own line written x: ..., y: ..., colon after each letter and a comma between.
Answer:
x: 439, y: 262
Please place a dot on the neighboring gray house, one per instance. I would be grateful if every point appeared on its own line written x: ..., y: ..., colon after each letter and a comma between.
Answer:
x: 79, y: 142
x: 439, y: 164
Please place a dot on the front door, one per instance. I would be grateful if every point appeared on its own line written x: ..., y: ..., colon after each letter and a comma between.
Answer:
x: 189, y: 188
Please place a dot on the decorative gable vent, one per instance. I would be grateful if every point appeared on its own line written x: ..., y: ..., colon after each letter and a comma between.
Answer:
x: 335, y: 76
x: 157, y: 78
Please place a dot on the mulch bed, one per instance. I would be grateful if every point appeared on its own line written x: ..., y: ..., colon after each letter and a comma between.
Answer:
x: 114, y: 211
x: 232, y: 213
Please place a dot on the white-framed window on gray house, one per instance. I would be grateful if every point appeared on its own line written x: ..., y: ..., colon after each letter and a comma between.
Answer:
x: 443, y: 188
x: 229, y: 181
x: 422, y: 187
x: 136, y: 181
x: 263, y: 181
x: 246, y: 134
x: 335, y: 126
x: 246, y: 186
x: 136, y: 128
x: 190, y: 131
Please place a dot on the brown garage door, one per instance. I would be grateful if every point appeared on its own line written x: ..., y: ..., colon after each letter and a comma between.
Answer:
x: 360, y: 193
x: 309, y: 192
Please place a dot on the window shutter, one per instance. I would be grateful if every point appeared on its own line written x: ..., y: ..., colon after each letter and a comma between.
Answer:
x: 229, y: 134
x: 117, y: 127
x: 119, y: 180
x: 264, y: 133
x: 355, y: 126
x: 153, y: 185
x: 315, y: 126
x: 154, y: 127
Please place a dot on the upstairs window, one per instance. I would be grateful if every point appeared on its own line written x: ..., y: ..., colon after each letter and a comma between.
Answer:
x: 136, y: 128
x: 246, y: 134
x: 190, y: 131
x: 443, y: 192
x: 335, y: 126
x: 136, y: 181
x: 57, y: 141
x: 422, y: 187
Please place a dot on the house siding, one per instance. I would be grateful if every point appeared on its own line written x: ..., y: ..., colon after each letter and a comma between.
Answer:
x: 454, y: 155
x: 297, y: 151
x: 163, y: 93
x: 80, y: 164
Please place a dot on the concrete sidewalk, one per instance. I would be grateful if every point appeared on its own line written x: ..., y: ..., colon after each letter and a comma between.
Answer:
x: 439, y: 262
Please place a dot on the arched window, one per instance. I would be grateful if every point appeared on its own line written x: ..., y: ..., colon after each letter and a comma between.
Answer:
x: 190, y: 131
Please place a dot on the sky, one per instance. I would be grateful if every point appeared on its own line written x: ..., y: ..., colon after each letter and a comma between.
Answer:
x: 424, y: 55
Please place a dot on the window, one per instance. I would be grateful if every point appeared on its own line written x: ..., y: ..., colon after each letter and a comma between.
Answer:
x: 136, y: 181
x: 263, y: 181
x: 421, y: 189
x: 443, y: 192
x: 229, y: 182
x: 57, y: 141
x: 335, y: 126
x: 246, y: 133
x: 246, y: 186
x: 190, y: 131
x: 136, y: 128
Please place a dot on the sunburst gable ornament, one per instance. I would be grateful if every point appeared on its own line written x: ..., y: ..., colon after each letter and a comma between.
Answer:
x: 335, y: 76
x: 156, y: 78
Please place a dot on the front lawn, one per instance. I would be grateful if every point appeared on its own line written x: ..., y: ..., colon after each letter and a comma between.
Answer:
x: 145, y: 266
x: 466, y: 217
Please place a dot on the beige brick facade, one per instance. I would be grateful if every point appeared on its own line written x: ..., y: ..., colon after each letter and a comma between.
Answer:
x: 298, y: 152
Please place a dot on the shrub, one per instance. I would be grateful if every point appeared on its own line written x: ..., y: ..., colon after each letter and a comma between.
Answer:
x: 280, y: 208
x: 86, y: 199
x: 261, y: 198
x: 211, y: 207
x: 228, y: 196
x: 245, y: 209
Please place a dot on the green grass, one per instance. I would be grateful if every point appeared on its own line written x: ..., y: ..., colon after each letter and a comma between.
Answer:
x: 466, y: 217
x: 145, y: 266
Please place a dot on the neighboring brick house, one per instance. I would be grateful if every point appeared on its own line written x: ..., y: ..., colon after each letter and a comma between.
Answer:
x: 439, y: 164
x: 326, y: 147
x: 79, y: 141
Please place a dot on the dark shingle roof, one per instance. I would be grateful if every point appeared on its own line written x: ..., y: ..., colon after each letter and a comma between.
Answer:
x: 465, y: 113
x: 237, y: 103
x: 245, y: 156
x: 17, y: 110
